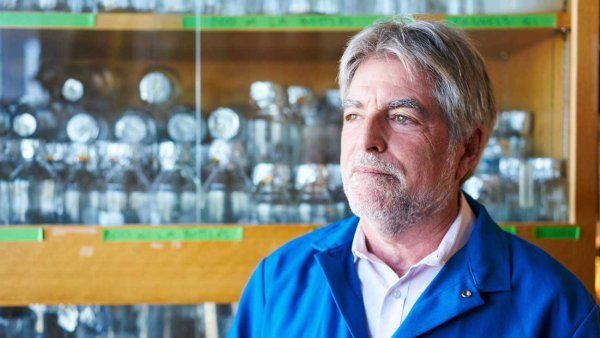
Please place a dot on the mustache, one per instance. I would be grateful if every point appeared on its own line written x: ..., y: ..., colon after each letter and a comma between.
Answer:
x: 372, y: 161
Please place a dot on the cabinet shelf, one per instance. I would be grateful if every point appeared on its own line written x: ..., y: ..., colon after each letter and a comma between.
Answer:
x: 146, y: 264
x: 176, y: 22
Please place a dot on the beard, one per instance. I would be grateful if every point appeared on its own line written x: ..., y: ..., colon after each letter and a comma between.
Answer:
x: 388, y: 201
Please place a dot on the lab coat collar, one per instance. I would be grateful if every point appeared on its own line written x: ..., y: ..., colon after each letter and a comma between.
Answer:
x: 482, y: 265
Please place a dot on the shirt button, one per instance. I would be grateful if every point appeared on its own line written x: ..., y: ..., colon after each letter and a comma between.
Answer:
x: 465, y: 294
x: 397, y: 294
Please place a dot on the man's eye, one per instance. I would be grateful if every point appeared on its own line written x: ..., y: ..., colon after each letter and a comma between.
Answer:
x: 350, y: 117
x: 399, y: 118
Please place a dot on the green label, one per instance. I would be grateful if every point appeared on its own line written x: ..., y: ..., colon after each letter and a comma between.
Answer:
x: 20, y: 19
x: 502, y: 21
x: 557, y: 232
x: 277, y: 22
x: 22, y: 235
x: 511, y: 229
x: 169, y: 234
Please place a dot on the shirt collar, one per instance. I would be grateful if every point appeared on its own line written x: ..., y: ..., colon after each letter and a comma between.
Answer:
x: 455, y: 238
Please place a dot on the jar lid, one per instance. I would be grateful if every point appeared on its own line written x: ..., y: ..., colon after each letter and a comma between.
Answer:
x: 224, y: 123
x: 72, y: 90
x: 155, y: 88
x: 83, y: 128
x: 181, y: 126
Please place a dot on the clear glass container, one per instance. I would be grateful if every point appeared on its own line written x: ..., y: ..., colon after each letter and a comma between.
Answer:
x: 86, y: 128
x: 175, y: 189
x: 273, y: 200
x: 228, y: 190
x: 83, y: 189
x: 35, y: 189
x: 17, y: 322
x: 181, y: 126
x: 315, y: 204
x: 269, y: 125
x: 30, y: 122
x: 135, y: 125
x: 159, y: 86
x: 125, y: 195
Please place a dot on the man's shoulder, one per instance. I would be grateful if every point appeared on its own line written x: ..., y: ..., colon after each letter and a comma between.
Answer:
x: 534, y: 269
x: 307, y: 245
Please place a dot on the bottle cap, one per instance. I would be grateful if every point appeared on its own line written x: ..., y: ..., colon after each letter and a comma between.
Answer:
x: 155, y: 88
x: 224, y: 123
x: 181, y: 126
x: 82, y: 128
x: 25, y: 124
x: 72, y: 90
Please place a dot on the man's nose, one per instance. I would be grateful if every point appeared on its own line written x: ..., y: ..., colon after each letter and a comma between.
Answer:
x: 372, y: 136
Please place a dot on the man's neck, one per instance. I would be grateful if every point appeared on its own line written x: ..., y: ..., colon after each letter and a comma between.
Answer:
x: 415, y: 242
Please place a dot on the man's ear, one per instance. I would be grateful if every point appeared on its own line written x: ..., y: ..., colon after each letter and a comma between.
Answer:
x: 473, y: 148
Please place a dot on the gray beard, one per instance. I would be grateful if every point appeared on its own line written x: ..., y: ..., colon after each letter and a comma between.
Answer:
x: 389, y: 204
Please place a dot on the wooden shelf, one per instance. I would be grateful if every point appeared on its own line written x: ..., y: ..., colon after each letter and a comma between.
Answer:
x: 175, y: 22
x: 175, y: 265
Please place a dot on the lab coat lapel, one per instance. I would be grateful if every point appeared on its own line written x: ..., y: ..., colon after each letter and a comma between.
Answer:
x: 482, y: 265
x: 338, y: 266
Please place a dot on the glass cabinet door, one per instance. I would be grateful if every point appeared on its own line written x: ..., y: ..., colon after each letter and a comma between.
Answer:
x: 161, y: 113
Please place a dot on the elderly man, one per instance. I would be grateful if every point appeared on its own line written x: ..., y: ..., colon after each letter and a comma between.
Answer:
x: 422, y: 258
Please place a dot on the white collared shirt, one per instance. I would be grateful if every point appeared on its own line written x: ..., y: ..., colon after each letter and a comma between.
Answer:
x: 388, y: 298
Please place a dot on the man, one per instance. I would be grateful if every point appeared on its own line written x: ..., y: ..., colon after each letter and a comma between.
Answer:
x: 422, y: 259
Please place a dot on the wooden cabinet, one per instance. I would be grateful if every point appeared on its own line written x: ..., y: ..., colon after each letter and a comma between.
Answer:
x: 546, y: 63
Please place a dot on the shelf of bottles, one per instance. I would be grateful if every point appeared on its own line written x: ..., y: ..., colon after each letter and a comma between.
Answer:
x: 87, y: 321
x: 273, y: 14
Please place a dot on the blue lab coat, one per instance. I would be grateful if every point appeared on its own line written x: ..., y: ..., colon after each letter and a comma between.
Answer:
x: 309, y: 288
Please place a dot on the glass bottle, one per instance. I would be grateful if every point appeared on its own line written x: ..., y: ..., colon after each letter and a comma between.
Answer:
x: 159, y: 86
x: 302, y: 103
x: 135, y: 126
x: 315, y: 204
x: 83, y: 191
x: 228, y: 190
x: 5, y: 117
x: 86, y: 128
x: 29, y: 122
x: 125, y: 197
x: 330, y: 109
x: 9, y: 160
x: 114, y: 5
x: 226, y: 125
x: 93, y: 322
x: 181, y: 126
x: 174, y: 189
x: 268, y: 125
x: 336, y: 189
x: 35, y: 188
x: 126, y: 321
x: 272, y: 197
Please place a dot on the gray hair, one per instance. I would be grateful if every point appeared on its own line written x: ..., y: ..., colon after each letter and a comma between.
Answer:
x: 446, y: 56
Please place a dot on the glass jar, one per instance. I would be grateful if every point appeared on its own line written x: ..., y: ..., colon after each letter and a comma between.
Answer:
x: 35, y: 188
x: 315, y: 204
x: 269, y: 127
x: 125, y: 195
x: 175, y: 189
x: 228, y: 190
x: 273, y: 202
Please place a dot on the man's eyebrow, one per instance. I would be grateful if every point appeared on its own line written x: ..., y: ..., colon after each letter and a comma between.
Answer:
x: 351, y: 104
x: 407, y: 103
